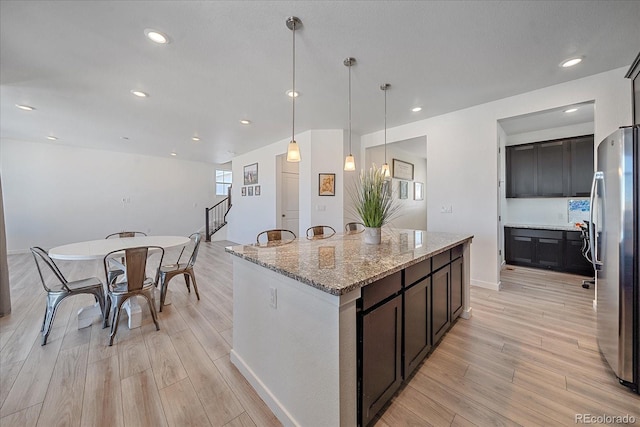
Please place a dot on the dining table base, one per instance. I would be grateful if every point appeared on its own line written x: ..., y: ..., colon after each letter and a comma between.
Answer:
x: 88, y: 315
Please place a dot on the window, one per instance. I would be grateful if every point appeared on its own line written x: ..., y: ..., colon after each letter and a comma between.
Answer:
x: 223, y: 182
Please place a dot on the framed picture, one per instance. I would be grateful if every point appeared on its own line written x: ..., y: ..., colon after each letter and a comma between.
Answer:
x: 404, y: 190
x: 327, y: 184
x: 244, y: 191
x: 257, y: 190
x: 418, y: 191
x: 402, y: 170
x: 249, y: 191
x: 250, y: 174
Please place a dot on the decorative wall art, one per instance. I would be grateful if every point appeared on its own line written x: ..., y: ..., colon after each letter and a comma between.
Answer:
x: 250, y: 173
x: 249, y: 191
x: 257, y: 190
x: 402, y: 170
x: 404, y: 190
x: 327, y: 184
x: 418, y: 191
x: 244, y: 191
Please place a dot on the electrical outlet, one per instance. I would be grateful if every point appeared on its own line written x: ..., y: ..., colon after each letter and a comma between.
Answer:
x: 273, y: 298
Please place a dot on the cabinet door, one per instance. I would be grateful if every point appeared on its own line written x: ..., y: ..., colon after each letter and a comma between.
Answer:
x: 521, y: 171
x: 521, y: 249
x: 440, y: 314
x: 551, y: 176
x: 417, y: 324
x: 456, y: 288
x: 381, y: 356
x: 574, y: 261
x: 549, y: 253
x: 581, y: 166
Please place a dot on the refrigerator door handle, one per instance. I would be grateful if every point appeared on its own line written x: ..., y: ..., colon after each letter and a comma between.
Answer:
x: 593, y: 234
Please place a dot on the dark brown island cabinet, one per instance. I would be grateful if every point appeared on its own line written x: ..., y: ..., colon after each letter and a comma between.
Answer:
x: 558, y: 250
x: 557, y: 168
x: 400, y: 319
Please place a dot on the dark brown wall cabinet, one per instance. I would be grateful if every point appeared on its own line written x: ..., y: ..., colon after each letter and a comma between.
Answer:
x: 558, y: 168
x: 549, y: 249
x: 400, y: 318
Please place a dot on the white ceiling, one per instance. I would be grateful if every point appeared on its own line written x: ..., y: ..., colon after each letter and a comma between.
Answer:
x: 548, y: 119
x: 76, y: 61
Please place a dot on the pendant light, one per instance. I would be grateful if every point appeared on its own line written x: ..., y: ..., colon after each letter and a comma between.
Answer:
x: 349, y: 162
x: 385, y: 166
x: 293, y: 151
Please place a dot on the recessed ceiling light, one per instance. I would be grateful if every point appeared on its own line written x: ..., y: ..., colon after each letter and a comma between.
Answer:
x: 156, y: 36
x: 25, y: 107
x: 571, y: 62
x: 245, y: 122
x: 173, y: 153
x: 195, y: 138
x: 570, y: 110
x: 139, y: 93
x: 416, y: 109
x: 52, y: 138
x: 292, y: 94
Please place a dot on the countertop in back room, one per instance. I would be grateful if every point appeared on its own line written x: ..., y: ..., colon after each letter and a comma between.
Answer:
x: 568, y: 227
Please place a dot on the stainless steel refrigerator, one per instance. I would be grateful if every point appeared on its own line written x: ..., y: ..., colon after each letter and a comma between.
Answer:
x: 614, y: 232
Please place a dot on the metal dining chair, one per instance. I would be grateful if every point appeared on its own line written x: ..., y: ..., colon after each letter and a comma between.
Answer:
x: 354, y: 227
x: 58, y: 288
x: 320, y: 232
x: 169, y: 271
x: 275, y: 235
x: 121, y: 235
x: 133, y: 283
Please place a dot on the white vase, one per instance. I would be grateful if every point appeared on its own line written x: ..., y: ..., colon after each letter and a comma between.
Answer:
x: 372, y: 235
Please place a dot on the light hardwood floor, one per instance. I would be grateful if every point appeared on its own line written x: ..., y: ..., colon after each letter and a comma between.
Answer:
x: 528, y: 356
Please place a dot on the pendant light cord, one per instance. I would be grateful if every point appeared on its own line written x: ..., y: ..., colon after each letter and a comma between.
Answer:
x: 350, y: 152
x: 293, y: 93
x: 385, y: 124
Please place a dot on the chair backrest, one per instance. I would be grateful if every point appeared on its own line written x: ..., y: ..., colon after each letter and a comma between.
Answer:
x: 354, y: 227
x: 123, y: 234
x: 275, y: 235
x: 135, y: 263
x: 320, y: 232
x: 194, y: 245
x: 42, y: 258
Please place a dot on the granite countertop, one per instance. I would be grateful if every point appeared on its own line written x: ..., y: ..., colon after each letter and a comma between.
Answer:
x: 568, y: 227
x: 343, y: 263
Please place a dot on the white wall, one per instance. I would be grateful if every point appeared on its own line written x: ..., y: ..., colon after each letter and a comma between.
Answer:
x: 462, y: 166
x: 56, y: 194
x: 319, y: 151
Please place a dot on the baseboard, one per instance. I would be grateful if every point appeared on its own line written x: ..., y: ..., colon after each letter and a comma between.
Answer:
x: 486, y: 285
x: 272, y: 402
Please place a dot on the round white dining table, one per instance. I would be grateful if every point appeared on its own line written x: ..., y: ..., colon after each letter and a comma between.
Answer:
x: 96, y: 250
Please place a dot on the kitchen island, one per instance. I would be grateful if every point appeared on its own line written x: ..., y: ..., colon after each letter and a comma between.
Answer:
x: 313, y: 319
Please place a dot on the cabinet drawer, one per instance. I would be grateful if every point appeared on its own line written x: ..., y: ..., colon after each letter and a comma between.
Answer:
x: 416, y: 272
x: 574, y: 235
x: 530, y: 232
x: 441, y: 260
x: 456, y: 252
x: 381, y: 289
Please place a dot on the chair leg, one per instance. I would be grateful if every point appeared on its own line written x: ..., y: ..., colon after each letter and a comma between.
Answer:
x: 107, y: 312
x: 52, y: 308
x: 186, y: 280
x: 152, y: 307
x: 117, y: 306
x: 195, y: 286
x: 163, y: 290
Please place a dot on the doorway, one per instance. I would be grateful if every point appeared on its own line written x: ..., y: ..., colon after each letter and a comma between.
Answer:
x: 288, y: 206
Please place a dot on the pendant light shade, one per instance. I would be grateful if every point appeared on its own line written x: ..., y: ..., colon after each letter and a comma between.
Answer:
x: 293, y: 151
x: 385, y: 166
x: 350, y: 161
